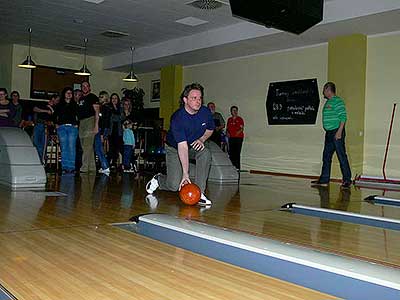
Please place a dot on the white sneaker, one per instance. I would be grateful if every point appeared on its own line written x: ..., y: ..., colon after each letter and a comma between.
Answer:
x: 105, y: 171
x: 151, y: 201
x: 204, y: 201
x: 204, y: 208
x: 153, y: 184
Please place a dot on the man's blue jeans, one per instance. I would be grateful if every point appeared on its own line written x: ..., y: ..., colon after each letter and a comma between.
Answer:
x: 332, y: 145
x: 67, y: 136
x: 98, y: 148
x: 39, y: 140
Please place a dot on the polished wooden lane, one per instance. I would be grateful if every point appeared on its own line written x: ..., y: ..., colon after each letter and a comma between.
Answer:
x: 49, y: 244
x: 63, y: 248
x: 253, y: 206
x: 354, y: 240
x: 89, y: 262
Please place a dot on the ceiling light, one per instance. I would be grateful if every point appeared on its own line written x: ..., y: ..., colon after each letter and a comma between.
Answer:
x: 114, y: 34
x: 191, y: 21
x: 94, y: 1
x: 84, y: 71
x: 131, y: 76
x: 28, y: 62
x: 73, y: 47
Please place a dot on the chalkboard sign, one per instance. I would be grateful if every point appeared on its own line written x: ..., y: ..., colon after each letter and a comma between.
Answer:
x: 293, y: 102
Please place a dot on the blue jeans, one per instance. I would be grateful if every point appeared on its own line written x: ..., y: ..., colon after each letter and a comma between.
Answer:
x: 39, y: 139
x: 128, y: 149
x: 98, y: 149
x: 67, y: 136
x: 332, y: 145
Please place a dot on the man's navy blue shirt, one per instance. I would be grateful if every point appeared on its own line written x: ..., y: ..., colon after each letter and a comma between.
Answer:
x: 187, y: 127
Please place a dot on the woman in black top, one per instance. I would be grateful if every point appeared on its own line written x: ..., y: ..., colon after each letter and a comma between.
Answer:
x: 126, y: 113
x: 7, y: 110
x: 101, y: 138
x: 18, y: 108
x: 66, y: 119
x: 115, y: 134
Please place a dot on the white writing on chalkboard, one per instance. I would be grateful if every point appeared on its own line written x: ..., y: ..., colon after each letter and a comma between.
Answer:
x: 292, y: 102
x: 302, y: 92
x: 279, y: 93
x: 277, y: 106
x: 300, y: 110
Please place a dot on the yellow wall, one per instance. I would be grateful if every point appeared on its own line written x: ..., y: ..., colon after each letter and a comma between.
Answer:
x: 100, y: 79
x: 171, y: 89
x: 347, y: 59
x: 244, y: 82
x: 5, y: 66
x: 383, y: 81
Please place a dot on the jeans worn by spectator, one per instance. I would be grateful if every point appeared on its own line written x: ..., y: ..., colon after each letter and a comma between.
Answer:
x: 128, y: 149
x: 67, y: 135
x: 98, y: 148
x: 331, y: 146
x: 39, y: 140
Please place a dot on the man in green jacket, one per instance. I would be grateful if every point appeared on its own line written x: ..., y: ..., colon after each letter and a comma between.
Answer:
x: 334, y: 118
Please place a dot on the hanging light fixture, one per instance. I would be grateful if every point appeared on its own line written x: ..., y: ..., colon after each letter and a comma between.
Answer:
x: 28, y: 62
x: 84, y: 71
x: 131, y: 76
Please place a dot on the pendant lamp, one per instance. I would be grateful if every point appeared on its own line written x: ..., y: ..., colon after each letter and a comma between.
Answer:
x: 84, y: 71
x: 131, y: 76
x: 28, y: 62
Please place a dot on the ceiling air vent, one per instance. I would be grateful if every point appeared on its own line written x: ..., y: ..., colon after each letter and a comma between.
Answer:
x: 207, y: 4
x: 114, y: 34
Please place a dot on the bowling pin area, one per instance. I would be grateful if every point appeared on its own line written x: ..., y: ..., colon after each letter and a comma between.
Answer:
x: 96, y: 237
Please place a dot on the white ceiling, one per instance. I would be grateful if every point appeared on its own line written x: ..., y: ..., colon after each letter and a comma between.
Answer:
x: 159, y: 40
x: 147, y: 21
x: 370, y: 25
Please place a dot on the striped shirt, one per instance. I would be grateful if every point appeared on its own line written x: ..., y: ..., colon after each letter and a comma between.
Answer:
x: 334, y: 113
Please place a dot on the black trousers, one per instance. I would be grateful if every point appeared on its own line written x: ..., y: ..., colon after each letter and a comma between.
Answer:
x: 235, y: 147
x: 216, y: 138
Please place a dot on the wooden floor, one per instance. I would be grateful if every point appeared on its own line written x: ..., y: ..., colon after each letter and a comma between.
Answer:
x: 64, y: 248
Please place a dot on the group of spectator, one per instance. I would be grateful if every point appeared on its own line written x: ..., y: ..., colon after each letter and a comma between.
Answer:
x: 85, y: 125
x: 105, y: 129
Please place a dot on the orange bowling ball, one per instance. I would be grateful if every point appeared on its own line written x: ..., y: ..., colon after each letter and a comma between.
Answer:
x: 190, y: 194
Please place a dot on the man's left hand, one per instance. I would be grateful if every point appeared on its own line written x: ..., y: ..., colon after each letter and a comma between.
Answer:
x: 197, y: 145
x: 338, y: 135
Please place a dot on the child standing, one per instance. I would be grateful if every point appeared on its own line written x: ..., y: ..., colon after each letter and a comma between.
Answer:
x: 129, y: 146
